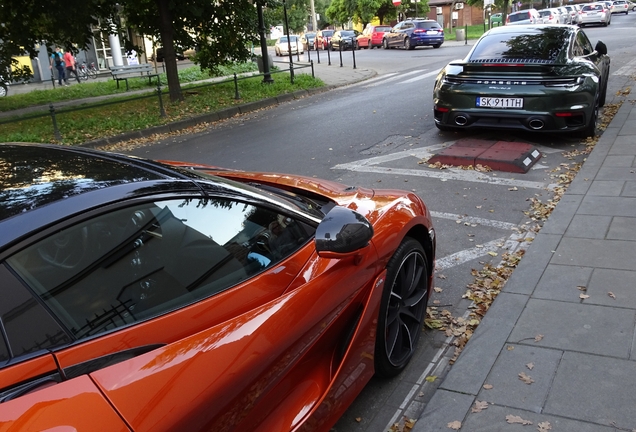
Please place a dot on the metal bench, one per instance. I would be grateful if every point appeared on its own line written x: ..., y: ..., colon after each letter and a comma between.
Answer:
x: 122, y: 73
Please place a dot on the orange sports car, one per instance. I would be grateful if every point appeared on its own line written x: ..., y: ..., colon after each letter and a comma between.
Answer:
x: 151, y: 296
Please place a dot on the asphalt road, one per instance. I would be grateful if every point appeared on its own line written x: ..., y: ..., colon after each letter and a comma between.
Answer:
x: 376, y: 134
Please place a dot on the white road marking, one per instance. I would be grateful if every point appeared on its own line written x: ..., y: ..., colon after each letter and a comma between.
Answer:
x: 476, y: 220
x: 394, y: 78
x: 464, y: 256
x: 369, y: 165
x: 421, y: 77
x: 628, y: 69
x: 378, y: 78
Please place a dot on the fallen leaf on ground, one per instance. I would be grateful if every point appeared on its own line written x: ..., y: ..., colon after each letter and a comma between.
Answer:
x: 455, y: 425
x: 583, y: 296
x: 358, y: 419
x: 479, y: 406
x: 510, y: 347
x: 492, y: 253
x: 581, y: 288
x: 431, y: 378
x: 525, y: 378
x: 537, y: 338
x: 544, y: 426
x: 437, y: 289
x: 516, y: 419
x: 488, y: 386
x: 530, y: 366
x: 611, y: 294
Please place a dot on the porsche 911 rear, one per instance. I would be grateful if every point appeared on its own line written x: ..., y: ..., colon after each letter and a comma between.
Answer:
x: 519, y: 95
x: 526, y: 79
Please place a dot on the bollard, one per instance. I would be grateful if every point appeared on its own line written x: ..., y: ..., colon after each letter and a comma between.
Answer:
x: 56, y: 131
x: 466, y: 32
x: 236, y: 92
x: 340, y: 50
x: 308, y: 53
x: 328, y: 56
x: 312, y: 69
x: 353, y: 53
x: 317, y: 53
x: 162, y: 112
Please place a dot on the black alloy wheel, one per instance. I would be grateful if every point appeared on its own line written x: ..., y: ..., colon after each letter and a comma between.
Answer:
x: 402, y: 309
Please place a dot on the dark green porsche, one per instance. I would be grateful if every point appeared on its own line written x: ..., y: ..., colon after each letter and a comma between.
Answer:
x: 542, y: 78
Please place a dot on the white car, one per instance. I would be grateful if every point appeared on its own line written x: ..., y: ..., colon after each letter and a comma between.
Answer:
x: 595, y: 13
x: 283, y: 46
x: 552, y: 16
x: 4, y: 87
x: 522, y: 17
x: 620, y: 6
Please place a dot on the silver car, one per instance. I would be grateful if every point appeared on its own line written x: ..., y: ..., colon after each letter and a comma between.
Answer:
x: 595, y: 13
x: 522, y: 17
x: 552, y: 16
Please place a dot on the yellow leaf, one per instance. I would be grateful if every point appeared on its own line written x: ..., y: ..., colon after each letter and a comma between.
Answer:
x: 492, y: 253
x: 431, y: 378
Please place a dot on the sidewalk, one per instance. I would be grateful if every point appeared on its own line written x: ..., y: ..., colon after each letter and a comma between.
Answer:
x: 565, y: 318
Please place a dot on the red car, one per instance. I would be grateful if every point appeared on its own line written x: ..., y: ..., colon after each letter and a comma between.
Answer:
x: 164, y: 296
x: 372, y: 36
x: 322, y: 39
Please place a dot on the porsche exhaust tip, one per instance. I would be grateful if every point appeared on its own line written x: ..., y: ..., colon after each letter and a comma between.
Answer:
x: 460, y: 120
x: 536, y: 124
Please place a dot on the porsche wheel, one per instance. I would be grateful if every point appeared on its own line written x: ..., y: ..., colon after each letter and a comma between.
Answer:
x: 402, y: 309
x: 385, y: 44
x: 590, y: 127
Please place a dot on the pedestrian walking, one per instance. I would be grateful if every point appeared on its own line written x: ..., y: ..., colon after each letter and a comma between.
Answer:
x: 69, y: 60
x: 57, y: 60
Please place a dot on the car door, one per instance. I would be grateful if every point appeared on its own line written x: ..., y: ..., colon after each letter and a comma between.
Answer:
x: 394, y: 36
x: 136, y: 278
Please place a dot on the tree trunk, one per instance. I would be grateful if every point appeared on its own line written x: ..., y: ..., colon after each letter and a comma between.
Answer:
x: 169, y: 54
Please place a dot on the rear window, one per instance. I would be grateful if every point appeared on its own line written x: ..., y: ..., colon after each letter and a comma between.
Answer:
x: 383, y: 29
x: 544, y: 44
x: 519, y: 16
x: 544, y: 13
x: 327, y: 33
x: 592, y: 7
x: 427, y: 25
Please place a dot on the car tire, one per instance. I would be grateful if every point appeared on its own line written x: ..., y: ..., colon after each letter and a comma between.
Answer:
x: 3, y: 91
x: 407, y: 44
x: 603, y: 97
x: 385, y: 44
x: 402, y: 308
x: 437, y: 45
x: 590, y: 127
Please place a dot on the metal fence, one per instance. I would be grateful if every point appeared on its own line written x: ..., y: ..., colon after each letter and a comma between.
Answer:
x: 53, y: 111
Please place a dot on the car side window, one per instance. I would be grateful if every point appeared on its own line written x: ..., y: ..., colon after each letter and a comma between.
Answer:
x: 136, y: 263
x: 25, y: 326
x: 582, y: 45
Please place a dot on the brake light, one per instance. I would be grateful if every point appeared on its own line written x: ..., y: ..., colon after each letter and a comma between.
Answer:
x: 502, y: 64
x: 441, y: 109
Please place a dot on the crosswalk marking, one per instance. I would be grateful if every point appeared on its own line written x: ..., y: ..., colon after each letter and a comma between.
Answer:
x: 628, y: 69
x: 393, y: 78
x: 421, y: 77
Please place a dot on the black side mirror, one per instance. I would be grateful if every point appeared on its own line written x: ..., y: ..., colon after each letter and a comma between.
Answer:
x: 342, y: 233
x: 601, y: 48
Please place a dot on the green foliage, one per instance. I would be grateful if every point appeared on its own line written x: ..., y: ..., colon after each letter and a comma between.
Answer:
x: 298, y: 12
x: 85, y: 125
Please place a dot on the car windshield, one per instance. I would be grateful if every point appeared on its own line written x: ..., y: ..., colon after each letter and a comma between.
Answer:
x: 347, y: 33
x: 291, y: 38
x: 327, y: 33
x: 543, y: 44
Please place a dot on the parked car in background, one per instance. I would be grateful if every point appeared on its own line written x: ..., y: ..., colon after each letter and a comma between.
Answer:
x: 620, y: 6
x: 527, y: 16
x: 4, y: 87
x: 595, y: 14
x: 541, y: 78
x: 413, y: 33
x: 632, y: 6
x: 307, y: 40
x: 372, y: 35
x: 160, y: 56
x: 322, y: 39
x: 282, y: 45
x: 573, y: 13
x: 156, y: 296
x: 496, y: 18
x: 343, y: 40
x: 552, y: 16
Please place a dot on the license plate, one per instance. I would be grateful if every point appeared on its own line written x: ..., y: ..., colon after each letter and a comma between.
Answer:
x: 431, y: 32
x: 495, y: 102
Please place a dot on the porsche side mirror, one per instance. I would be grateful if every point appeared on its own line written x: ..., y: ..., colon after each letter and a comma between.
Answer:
x: 601, y: 48
x: 343, y: 232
